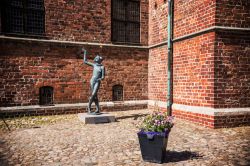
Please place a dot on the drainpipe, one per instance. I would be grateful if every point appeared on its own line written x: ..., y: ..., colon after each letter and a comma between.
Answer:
x: 170, y: 50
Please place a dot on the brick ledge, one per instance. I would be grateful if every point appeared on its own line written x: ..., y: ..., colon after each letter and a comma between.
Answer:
x: 186, y: 108
x: 75, y: 105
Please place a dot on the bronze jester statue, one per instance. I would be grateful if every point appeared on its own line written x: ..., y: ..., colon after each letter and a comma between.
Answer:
x: 98, y: 75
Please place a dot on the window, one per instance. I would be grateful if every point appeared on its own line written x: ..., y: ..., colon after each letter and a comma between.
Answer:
x: 126, y: 21
x: 23, y: 17
x: 46, y: 95
x: 117, y: 93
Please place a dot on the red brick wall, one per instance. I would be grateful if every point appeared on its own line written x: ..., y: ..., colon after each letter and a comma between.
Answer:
x: 157, y: 62
x: 193, y: 58
x: 233, y: 13
x: 157, y: 21
x: 195, y: 80
x: 144, y: 21
x: 209, y: 69
x: 157, y: 73
x: 79, y: 20
x: 85, y: 20
x: 214, y: 121
x: 232, y: 56
x: 193, y: 71
x: 201, y: 119
x: 189, y: 16
x: 192, y: 16
x: 26, y: 66
x: 232, y: 70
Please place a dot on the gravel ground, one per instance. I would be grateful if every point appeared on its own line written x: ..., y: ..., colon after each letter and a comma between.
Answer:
x: 65, y: 140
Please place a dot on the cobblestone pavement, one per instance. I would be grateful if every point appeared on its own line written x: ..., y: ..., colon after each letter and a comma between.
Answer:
x: 69, y: 142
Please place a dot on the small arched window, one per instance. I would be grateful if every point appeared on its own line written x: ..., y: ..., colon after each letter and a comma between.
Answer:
x: 46, y: 95
x: 117, y: 93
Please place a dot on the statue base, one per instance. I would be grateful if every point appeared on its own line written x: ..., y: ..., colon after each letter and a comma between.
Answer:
x: 91, y: 118
x: 94, y: 113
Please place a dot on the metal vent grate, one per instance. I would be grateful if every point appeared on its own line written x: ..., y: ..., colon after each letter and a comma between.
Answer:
x: 23, y: 16
x: 126, y: 21
x: 117, y: 93
x: 46, y: 95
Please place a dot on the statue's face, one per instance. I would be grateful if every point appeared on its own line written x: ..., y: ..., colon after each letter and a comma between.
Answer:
x: 98, y: 59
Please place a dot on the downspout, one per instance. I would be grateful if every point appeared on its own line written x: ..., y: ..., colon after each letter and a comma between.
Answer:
x: 170, y: 51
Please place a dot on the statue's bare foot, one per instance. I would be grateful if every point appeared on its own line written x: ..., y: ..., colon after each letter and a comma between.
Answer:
x: 97, y: 111
x: 89, y: 110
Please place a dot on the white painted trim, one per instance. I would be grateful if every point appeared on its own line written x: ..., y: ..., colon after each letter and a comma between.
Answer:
x: 157, y: 103
x: 125, y: 103
x: 212, y: 28
x: 202, y: 110
x: 211, y: 111
x: 232, y: 28
x: 194, y: 109
x: 72, y: 42
x: 158, y: 44
x: 108, y: 104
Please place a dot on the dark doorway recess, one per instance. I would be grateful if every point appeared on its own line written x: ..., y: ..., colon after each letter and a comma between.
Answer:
x: 117, y: 93
x: 46, y: 95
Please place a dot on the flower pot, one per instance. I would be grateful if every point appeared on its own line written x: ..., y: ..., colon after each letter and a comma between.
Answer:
x: 153, y: 146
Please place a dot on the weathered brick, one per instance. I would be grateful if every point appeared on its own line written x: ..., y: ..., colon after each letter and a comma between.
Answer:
x: 64, y: 70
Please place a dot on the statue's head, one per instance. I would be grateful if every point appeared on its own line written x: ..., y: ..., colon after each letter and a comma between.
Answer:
x: 98, y: 59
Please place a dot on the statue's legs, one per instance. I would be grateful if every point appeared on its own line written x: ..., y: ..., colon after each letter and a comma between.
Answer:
x: 94, y: 87
x: 92, y: 83
x: 97, y: 104
x: 89, y: 105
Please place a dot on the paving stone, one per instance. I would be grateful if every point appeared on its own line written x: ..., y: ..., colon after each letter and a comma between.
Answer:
x: 65, y: 141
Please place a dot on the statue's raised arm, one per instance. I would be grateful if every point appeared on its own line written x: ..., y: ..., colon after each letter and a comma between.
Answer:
x: 85, y: 57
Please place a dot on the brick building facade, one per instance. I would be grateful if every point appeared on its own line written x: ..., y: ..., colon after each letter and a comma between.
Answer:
x: 211, y: 58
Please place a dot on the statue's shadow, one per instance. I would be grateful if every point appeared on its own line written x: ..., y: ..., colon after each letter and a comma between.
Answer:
x: 133, y: 116
x: 174, y: 156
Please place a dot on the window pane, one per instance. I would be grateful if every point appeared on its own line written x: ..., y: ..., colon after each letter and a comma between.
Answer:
x: 14, y: 20
x: 133, y: 32
x: 36, y: 4
x: 35, y: 17
x: 119, y: 30
x: 16, y: 3
x: 119, y: 11
x: 35, y: 22
x: 133, y: 11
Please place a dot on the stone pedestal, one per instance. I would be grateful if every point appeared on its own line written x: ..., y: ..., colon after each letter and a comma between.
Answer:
x: 95, y: 119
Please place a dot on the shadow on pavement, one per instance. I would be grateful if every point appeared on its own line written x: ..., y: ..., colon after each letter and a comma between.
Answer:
x: 3, y: 158
x: 134, y: 116
x: 173, y: 156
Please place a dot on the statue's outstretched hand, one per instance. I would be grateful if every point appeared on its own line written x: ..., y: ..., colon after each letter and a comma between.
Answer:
x: 83, y: 51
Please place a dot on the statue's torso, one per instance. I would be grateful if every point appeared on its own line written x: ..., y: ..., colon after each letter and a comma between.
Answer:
x: 97, y: 71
